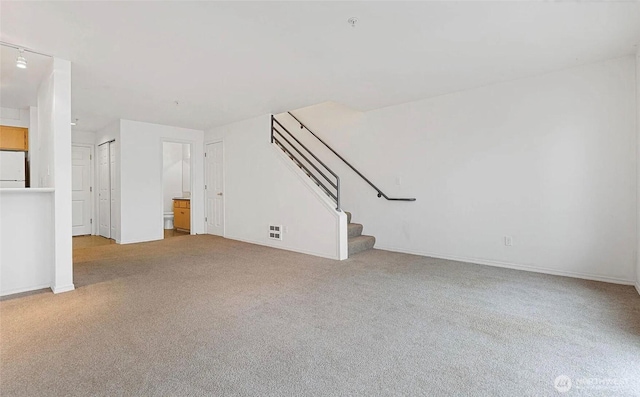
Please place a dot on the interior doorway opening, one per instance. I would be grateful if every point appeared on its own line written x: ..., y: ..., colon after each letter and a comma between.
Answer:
x: 176, y: 188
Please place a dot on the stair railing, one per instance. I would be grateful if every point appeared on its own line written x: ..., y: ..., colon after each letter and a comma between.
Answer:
x: 330, y: 186
x: 380, y: 192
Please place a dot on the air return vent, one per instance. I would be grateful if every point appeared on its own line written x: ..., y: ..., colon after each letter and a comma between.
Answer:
x: 275, y: 232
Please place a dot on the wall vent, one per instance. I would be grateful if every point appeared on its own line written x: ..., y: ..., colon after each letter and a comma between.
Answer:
x: 275, y: 232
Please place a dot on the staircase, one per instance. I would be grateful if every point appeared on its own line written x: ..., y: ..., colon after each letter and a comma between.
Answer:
x: 358, y: 242
x: 327, y: 180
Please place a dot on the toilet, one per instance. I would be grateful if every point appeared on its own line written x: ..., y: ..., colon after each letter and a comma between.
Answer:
x: 168, y: 220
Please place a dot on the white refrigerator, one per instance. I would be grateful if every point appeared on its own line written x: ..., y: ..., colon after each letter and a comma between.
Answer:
x: 12, y: 169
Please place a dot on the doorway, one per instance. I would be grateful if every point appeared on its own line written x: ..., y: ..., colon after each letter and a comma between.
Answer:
x: 176, y: 188
x: 81, y: 190
x: 107, y: 198
x: 214, y: 188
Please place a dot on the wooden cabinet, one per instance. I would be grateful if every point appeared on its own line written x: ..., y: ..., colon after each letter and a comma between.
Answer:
x: 14, y: 138
x: 182, y: 214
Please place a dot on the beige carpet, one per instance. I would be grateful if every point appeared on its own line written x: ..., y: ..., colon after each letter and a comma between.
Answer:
x: 201, y: 315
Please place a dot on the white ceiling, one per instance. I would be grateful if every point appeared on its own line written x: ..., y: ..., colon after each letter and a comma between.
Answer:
x: 19, y: 87
x: 227, y: 61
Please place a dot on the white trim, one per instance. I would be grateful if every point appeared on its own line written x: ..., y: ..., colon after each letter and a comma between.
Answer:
x: 25, y: 289
x: 638, y: 287
x: 508, y: 265
x: 342, y: 236
x: 65, y: 288
x: 264, y: 244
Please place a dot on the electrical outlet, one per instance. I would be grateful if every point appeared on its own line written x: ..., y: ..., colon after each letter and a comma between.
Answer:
x: 508, y: 241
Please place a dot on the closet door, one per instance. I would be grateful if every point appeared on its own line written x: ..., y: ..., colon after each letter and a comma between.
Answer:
x: 113, y: 149
x: 104, y: 191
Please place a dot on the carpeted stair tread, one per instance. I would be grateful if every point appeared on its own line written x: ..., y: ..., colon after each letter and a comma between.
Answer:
x: 360, y: 243
x: 348, y: 216
x: 354, y: 229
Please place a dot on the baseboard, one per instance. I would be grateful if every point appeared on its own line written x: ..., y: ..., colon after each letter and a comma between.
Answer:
x: 282, y: 248
x: 139, y: 241
x: 638, y: 287
x: 27, y: 289
x: 65, y: 288
x: 515, y: 266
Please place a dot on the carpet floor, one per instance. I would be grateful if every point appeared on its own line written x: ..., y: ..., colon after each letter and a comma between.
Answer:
x: 202, y: 315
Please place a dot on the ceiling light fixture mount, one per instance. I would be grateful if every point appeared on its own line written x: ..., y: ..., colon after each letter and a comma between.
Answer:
x: 21, y: 61
x: 352, y: 21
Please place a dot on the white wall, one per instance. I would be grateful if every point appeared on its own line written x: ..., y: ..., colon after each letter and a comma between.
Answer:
x: 42, y: 151
x: 61, y: 142
x: 547, y: 160
x: 638, y: 165
x: 262, y: 188
x: 14, y: 117
x: 34, y: 145
x: 83, y: 137
x: 141, y: 179
x: 26, y: 240
x: 172, y: 162
x: 186, y: 170
x: 36, y: 245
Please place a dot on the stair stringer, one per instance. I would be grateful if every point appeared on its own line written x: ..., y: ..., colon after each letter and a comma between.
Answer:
x: 342, y: 242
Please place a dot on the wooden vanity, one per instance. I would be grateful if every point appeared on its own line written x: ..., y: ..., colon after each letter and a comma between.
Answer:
x: 182, y: 214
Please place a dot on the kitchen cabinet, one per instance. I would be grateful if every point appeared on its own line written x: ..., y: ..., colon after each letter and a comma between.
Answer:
x: 14, y: 138
x: 182, y: 214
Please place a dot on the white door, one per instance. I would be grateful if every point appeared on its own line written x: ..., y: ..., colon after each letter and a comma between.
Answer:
x: 214, y: 195
x: 81, y: 190
x: 104, y: 183
x: 113, y: 147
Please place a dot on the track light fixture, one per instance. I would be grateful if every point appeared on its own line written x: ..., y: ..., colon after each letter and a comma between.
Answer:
x: 21, y: 61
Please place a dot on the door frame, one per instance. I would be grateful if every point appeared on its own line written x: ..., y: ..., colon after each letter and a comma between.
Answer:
x: 224, y: 186
x: 191, y: 179
x: 97, y: 196
x: 92, y: 180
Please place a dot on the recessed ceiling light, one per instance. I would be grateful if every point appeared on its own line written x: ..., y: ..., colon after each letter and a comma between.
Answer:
x: 21, y: 61
x: 352, y: 21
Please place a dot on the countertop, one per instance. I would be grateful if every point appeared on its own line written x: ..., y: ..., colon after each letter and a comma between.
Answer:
x: 28, y: 190
x: 182, y: 198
